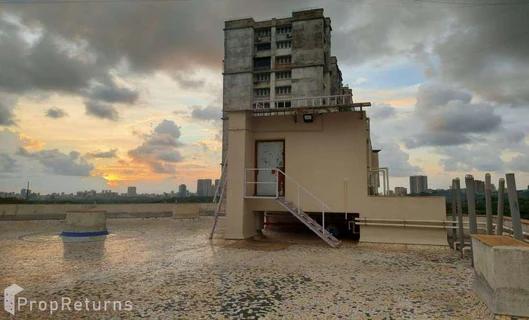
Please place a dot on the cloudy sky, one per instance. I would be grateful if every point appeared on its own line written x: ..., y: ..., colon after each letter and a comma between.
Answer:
x: 106, y: 94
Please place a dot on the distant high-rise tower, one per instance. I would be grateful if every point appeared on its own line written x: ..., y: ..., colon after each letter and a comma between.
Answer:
x: 418, y: 184
x: 131, y: 191
x: 182, y: 191
x: 203, y: 187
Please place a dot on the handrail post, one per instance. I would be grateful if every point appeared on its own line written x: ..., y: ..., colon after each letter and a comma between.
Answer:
x: 323, y: 219
x: 277, y: 183
x: 299, y: 200
x: 245, y: 182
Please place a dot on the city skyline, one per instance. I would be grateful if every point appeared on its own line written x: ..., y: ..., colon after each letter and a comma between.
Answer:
x: 110, y: 113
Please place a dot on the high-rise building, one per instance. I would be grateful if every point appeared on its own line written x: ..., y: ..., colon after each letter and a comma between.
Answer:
x: 271, y: 63
x: 418, y: 184
x: 401, y: 191
x: 131, y: 191
x: 203, y: 187
x: 182, y: 191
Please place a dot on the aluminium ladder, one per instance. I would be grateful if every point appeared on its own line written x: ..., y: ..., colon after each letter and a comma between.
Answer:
x: 219, y: 199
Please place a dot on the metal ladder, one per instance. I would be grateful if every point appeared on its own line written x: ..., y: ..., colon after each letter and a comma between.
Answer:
x: 309, y: 222
x: 219, y: 199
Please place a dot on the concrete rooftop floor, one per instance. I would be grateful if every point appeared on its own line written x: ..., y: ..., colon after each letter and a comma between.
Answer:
x: 169, y: 269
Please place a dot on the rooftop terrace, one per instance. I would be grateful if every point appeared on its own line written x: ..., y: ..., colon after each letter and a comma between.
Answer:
x: 168, y: 268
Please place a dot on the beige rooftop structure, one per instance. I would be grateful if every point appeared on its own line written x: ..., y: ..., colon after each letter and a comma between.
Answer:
x: 296, y: 144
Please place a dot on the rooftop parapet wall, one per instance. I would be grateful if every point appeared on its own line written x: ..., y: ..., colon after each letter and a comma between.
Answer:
x: 502, y: 280
x: 296, y: 16
x: 307, y: 14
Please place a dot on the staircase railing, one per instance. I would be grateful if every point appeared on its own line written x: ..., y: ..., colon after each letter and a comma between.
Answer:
x: 304, y: 102
x: 300, y: 191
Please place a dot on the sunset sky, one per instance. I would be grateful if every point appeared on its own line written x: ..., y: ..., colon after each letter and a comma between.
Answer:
x: 99, y: 95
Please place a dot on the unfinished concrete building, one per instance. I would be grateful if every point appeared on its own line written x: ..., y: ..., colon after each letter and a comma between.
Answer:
x: 296, y: 145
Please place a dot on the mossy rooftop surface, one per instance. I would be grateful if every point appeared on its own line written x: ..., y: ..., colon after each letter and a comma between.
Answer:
x: 169, y: 269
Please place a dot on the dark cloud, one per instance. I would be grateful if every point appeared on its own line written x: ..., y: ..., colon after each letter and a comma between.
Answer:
x: 486, y: 51
x: 449, y: 117
x: 55, y: 113
x: 397, y: 160
x: 480, y: 157
x: 103, y: 154
x: 110, y: 92
x: 187, y: 82
x: 59, y: 163
x: 160, y: 148
x: 101, y: 110
x: 520, y: 162
x: 35, y: 59
x: 209, y: 113
x: 7, y: 163
x: 7, y: 118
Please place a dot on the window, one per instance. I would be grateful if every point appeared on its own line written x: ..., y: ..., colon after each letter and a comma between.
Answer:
x: 262, y: 46
x: 284, y: 44
x: 262, y: 77
x: 283, y: 60
x: 263, y: 92
x: 261, y: 63
x: 284, y: 90
x: 283, y: 75
x: 263, y: 33
x: 282, y: 104
x: 284, y: 29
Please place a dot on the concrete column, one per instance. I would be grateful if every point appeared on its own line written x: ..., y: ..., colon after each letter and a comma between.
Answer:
x: 240, y: 222
x: 501, y: 200
x: 459, y: 207
x: 488, y: 203
x: 514, y: 207
x: 453, y: 232
x: 471, y: 203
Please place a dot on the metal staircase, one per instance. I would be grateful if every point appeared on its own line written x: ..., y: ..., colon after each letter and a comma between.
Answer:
x: 309, y: 222
x: 296, y: 189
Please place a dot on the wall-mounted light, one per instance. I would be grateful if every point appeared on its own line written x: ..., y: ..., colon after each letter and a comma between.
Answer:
x: 308, y: 117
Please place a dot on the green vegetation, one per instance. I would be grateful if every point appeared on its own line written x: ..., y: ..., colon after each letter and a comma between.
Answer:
x: 523, y: 201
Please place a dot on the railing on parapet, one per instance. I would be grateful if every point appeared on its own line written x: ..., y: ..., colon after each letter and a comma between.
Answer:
x: 308, y: 102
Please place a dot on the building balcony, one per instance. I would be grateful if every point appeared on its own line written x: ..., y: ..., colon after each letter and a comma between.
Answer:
x: 263, y: 53
x: 329, y: 103
x: 261, y: 84
x: 263, y: 39
x: 261, y: 68
x: 283, y: 66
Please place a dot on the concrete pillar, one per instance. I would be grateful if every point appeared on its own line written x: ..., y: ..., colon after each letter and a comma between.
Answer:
x: 240, y: 222
x: 501, y: 200
x: 514, y: 207
x: 453, y: 232
x: 459, y: 207
x: 471, y: 203
x: 488, y: 203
